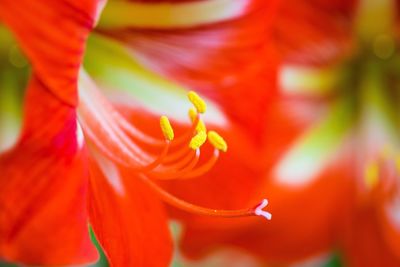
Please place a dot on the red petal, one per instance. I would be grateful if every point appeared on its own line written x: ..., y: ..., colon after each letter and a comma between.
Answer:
x: 304, y: 223
x: 129, y: 222
x: 53, y: 36
x: 229, y: 61
x: 208, y: 55
x: 317, y: 31
x: 43, y: 187
x: 365, y: 244
x: 387, y: 206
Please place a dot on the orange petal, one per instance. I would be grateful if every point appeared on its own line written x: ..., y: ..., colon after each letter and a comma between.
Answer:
x: 127, y: 219
x: 43, y: 187
x: 53, y: 35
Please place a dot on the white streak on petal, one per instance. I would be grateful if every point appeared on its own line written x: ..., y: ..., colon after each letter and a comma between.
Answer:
x: 393, y: 213
x: 111, y: 173
x: 80, y: 139
x: 298, y: 168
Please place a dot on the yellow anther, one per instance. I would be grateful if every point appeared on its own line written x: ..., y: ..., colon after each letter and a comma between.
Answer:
x: 166, y: 128
x: 397, y: 163
x: 198, y: 140
x: 192, y: 114
x: 217, y: 141
x: 197, y: 102
x: 200, y: 127
x: 371, y: 174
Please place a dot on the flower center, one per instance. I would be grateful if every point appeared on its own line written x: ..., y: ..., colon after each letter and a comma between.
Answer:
x: 151, y: 158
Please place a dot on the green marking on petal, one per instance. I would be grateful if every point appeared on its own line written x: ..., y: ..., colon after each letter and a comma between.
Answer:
x: 126, y: 82
x: 11, y: 89
x: 313, y: 151
x: 119, y: 14
x: 380, y: 108
x: 308, y: 80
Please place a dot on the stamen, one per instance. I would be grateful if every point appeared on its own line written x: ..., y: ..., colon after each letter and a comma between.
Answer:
x: 194, y: 116
x: 185, y: 137
x: 183, y: 205
x: 197, y: 102
x: 198, y: 140
x: 204, y: 168
x: 166, y: 128
x: 217, y: 141
x: 181, y: 162
x: 371, y: 174
x: 176, y: 174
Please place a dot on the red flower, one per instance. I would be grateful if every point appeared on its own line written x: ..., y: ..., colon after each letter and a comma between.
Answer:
x: 79, y: 160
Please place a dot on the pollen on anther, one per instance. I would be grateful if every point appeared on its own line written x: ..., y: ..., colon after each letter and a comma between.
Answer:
x: 198, y: 140
x: 166, y: 128
x: 192, y: 114
x: 197, y: 102
x: 200, y: 127
x: 217, y: 141
x: 371, y: 174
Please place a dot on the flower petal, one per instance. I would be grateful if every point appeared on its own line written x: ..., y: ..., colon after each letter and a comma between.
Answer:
x: 300, y: 30
x: 389, y: 221
x: 303, y: 223
x: 43, y: 186
x: 128, y: 221
x: 364, y: 242
x: 170, y: 15
x: 55, y: 44
x: 207, y: 58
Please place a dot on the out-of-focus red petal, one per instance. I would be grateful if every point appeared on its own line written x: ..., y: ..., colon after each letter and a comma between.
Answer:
x: 364, y: 243
x: 387, y: 205
x: 128, y: 220
x: 52, y: 34
x: 204, y: 56
x: 304, y: 223
x: 313, y: 32
x: 43, y: 184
